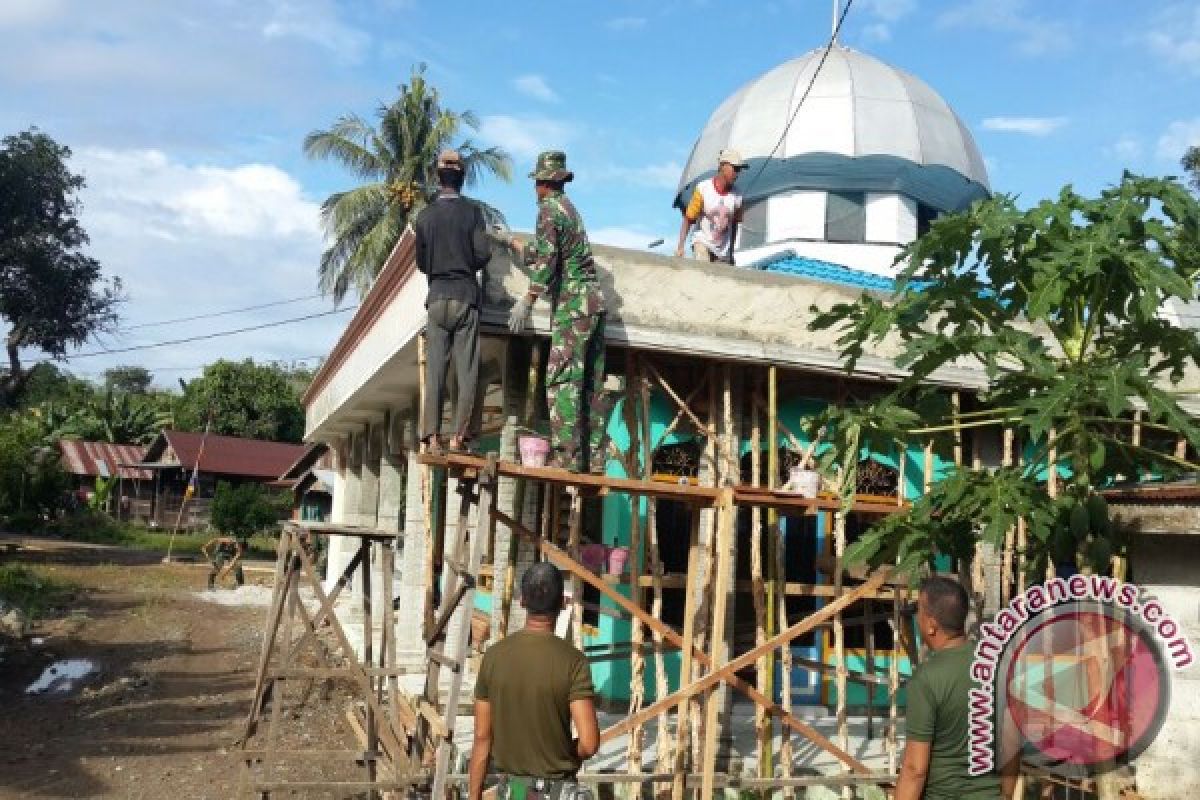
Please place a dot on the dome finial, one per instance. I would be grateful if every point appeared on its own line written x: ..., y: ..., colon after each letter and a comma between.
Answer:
x: 837, y: 12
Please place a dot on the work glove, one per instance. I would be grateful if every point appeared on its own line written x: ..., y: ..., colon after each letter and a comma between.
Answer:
x: 516, y: 318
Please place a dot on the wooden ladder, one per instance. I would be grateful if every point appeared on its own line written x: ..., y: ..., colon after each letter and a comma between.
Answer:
x: 435, y: 738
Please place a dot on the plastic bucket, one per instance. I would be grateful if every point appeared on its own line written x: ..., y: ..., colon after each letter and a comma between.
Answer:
x: 618, y: 557
x: 534, y: 450
x: 804, y: 482
x: 594, y: 557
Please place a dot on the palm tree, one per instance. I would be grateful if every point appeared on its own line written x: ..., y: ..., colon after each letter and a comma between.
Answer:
x: 398, y: 158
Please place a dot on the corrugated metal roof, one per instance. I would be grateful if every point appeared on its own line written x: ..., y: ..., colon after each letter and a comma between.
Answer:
x: 228, y: 455
x: 102, y: 459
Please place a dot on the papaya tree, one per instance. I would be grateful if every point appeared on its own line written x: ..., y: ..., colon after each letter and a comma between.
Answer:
x: 1060, y: 306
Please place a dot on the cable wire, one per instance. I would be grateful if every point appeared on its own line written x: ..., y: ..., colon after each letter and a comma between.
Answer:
x: 828, y: 47
x: 227, y: 313
x: 215, y: 335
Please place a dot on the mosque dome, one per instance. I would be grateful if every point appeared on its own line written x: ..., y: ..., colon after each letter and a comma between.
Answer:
x: 865, y: 126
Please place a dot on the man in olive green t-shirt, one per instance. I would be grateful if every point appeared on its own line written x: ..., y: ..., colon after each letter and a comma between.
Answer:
x: 531, y: 686
x: 938, y: 716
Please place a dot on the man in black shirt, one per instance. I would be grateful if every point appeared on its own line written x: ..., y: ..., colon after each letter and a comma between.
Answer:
x: 452, y: 246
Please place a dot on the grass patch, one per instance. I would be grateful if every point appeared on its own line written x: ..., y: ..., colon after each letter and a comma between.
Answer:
x: 103, y: 529
x: 30, y: 590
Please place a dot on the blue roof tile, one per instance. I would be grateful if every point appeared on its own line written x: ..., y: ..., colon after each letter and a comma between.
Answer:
x: 789, y: 263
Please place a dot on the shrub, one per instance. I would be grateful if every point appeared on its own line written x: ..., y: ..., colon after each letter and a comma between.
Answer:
x: 242, y: 511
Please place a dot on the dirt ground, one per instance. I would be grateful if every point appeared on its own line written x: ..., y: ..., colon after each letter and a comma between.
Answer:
x: 161, y: 715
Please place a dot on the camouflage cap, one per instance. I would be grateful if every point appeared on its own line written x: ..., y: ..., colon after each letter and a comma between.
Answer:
x: 552, y: 166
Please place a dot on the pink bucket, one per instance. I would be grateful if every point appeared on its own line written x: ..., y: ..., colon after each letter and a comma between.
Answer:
x: 617, y: 559
x: 534, y: 450
x: 594, y: 556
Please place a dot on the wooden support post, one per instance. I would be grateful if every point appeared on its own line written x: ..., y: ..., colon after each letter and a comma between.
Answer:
x: 725, y: 524
x: 894, y: 689
x: 691, y: 588
x: 758, y: 591
x: 956, y: 410
x: 839, y: 633
x: 708, y: 476
x: 777, y: 596
x: 575, y: 526
x: 637, y: 662
x: 368, y: 636
x: 663, y: 740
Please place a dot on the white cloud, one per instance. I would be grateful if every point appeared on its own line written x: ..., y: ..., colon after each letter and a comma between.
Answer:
x: 191, y: 238
x: 1126, y: 148
x: 884, y: 15
x: 527, y: 135
x: 29, y: 13
x: 633, y: 238
x: 1028, y: 126
x: 1034, y: 35
x: 1175, y: 36
x: 655, y: 176
x: 1177, y: 138
x: 626, y: 23
x: 877, y: 32
x: 535, y: 86
x: 316, y: 22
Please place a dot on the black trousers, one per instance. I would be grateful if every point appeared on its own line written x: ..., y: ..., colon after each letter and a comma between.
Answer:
x: 452, y: 331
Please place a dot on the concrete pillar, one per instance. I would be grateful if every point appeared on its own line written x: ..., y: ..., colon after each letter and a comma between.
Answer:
x: 410, y: 644
x: 343, y: 513
x: 391, y: 474
x: 368, y: 491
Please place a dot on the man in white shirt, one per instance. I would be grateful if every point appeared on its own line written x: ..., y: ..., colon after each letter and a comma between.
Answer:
x: 716, y: 210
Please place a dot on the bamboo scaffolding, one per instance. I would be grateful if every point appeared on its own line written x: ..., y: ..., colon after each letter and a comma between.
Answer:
x: 709, y: 563
x: 637, y: 662
x: 663, y: 740
x: 575, y: 527
x: 688, y: 643
x: 762, y: 727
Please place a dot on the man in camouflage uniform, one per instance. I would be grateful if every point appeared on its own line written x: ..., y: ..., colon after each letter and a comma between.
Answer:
x: 563, y: 267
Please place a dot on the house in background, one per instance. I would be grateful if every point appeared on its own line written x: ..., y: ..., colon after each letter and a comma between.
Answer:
x: 84, y: 462
x: 311, y: 480
x: 174, y: 455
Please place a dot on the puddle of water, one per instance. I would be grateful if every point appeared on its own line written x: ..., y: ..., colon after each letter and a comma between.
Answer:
x: 61, y: 676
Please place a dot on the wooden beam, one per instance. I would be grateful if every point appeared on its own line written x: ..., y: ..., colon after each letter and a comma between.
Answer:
x: 727, y: 673
x: 700, y: 495
x: 561, y: 560
x: 726, y: 522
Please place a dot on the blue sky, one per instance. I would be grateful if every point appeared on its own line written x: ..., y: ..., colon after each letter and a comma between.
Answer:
x: 187, y: 117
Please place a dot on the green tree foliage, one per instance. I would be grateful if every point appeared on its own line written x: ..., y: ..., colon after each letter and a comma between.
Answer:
x: 244, y: 510
x: 52, y: 295
x: 256, y: 401
x: 31, y: 482
x: 1059, y: 305
x: 128, y: 379
x: 118, y: 417
x: 1191, y: 163
x: 398, y: 159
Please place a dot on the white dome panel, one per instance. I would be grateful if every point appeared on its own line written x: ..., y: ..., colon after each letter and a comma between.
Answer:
x: 858, y: 108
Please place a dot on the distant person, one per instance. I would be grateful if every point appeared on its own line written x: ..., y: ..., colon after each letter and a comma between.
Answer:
x: 452, y: 247
x: 938, y: 715
x: 532, y: 686
x: 716, y: 210
x: 564, y: 271
x: 224, y: 553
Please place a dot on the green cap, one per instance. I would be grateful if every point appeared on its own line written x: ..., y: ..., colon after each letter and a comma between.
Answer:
x: 552, y: 166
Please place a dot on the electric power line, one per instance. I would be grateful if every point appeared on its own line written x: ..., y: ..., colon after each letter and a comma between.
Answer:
x: 226, y: 313
x: 828, y: 47
x: 215, y: 335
